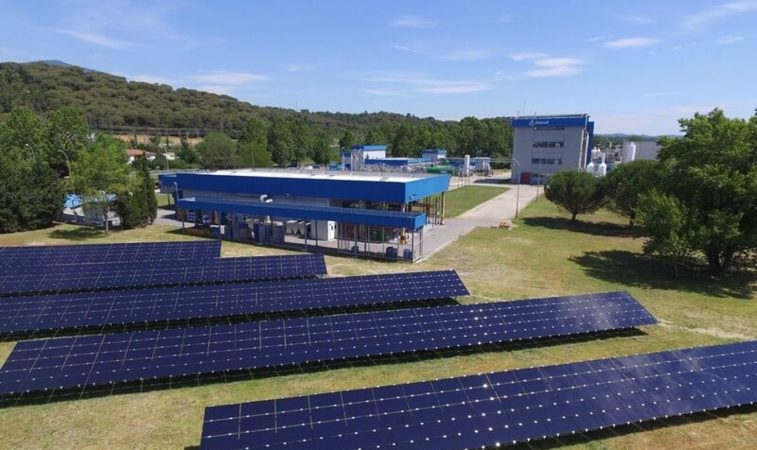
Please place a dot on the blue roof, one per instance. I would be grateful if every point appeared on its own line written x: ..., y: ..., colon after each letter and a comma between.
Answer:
x: 564, y: 120
x: 376, y: 217
x: 391, y: 187
x: 369, y: 147
x: 434, y: 150
x: 392, y: 161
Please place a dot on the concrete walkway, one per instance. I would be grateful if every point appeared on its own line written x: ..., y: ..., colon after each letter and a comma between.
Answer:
x: 487, y: 214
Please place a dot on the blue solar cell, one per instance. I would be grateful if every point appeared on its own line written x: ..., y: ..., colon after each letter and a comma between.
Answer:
x: 398, y: 416
x: 199, y: 350
x: 106, y: 276
x: 57, y: 257
x: 95, y: 309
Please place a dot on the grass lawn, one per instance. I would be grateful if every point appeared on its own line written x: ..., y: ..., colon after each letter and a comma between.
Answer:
x: 462, y: 199
x: 543, y: 256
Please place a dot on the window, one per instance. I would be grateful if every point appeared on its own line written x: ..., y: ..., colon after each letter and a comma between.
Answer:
x: 546, y: 161
x: 545, y: 128
x: 548, y: 144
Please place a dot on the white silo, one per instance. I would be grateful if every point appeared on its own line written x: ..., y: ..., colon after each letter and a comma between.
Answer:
x: 466, y: 165
x: 590, y: 168
x: 595, y: 153
x: 629, y: 151
x: 602, y: 170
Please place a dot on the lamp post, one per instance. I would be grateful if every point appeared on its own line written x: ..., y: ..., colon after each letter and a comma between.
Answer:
x: 517, y: 187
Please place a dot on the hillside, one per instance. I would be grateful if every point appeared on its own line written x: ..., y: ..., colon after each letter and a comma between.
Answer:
x: 113, y: 101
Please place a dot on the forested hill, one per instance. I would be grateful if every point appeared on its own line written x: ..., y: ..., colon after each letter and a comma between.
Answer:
x: 109, y: 100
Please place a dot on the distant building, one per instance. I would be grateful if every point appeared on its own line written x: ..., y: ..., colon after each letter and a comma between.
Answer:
x: 647, y: 149
x: 355, y: 158
x: 545, y: 145
x: 134, y: 153
x: 433, y: 154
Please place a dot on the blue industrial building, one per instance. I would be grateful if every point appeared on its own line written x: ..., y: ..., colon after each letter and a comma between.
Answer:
x: 370, y: 214
x: 545, y: 145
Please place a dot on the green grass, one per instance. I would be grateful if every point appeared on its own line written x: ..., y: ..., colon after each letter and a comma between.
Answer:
x: 462, y: 199
x: 544, y: 255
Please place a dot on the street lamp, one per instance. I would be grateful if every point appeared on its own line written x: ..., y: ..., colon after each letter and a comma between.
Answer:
x: 517, y: 187
x: 68, y: 163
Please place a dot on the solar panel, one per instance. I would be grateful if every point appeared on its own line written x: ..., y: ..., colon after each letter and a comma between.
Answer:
x: 494, y: 409
x: 93, y: 277
x: 69, y: 363
x: 57, y: 312
x: 33, y: 257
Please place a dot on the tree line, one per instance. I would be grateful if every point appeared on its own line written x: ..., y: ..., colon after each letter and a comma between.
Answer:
x: 698, y: 202
x: 42, y: 158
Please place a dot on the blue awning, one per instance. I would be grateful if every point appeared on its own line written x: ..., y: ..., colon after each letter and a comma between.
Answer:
x: 376, y: 217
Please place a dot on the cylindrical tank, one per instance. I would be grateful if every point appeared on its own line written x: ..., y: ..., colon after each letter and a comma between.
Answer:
x: 629, y: 151
x: 595, y: 152
x: 590, y: 167
x: 602, y: 170
x: 466, y: 165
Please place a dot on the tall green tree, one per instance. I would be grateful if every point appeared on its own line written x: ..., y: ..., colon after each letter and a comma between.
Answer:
x: 101, y: 174
x: 347, y: 140
x: 322, y: 153
x: 577, y: 192
x: 667, y: 221
x: 67, y: 134
x: 281, y: 142
x: 626, y: 182
x: 712, y: 172
x: 217, y: 151
x: 253, y: 144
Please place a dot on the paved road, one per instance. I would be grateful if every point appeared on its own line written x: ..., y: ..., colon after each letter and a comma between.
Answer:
x: 487, y: 214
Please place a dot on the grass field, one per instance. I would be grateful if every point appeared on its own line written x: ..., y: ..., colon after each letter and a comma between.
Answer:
x: 544, y: 255
x: 462, y: 199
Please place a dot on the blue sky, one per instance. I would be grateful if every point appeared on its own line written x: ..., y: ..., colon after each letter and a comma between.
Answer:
x: 635, y: 66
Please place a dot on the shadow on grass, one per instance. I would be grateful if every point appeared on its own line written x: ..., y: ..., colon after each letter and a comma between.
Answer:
x: 633, y: 269
x: 581, y: 438
x: 81, y: 233
x: 494, y: 181
x: 148, y: 385
x: 593, y: 228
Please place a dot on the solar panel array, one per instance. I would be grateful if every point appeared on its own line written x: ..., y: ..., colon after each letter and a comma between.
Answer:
x: 69, y: 363
x: 496, y: 408
x: 56, y: 312
x: 91, y: 277
x: 49, y: 256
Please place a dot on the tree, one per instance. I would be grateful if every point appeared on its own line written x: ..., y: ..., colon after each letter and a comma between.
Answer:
x: 322, y: 153
x: 281, y: 142
x: 666, y: 219
x: 712, y: 173
x: 147, y: 191
x: 253, y: 144
x: 347, y: 140
x: 217, y: 151
x: 577, y: 192
x: 628, y: 181
x: 101, y: 174
x: 67, y: 135
x: 376, y: 136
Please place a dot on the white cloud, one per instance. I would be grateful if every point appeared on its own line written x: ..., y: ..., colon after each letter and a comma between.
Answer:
x: 410, y: 21
x: 297, y: 67
x: 703, y: 19
x: 549, y: 67
x: 599, y: 38
x: 223, y: 78
x: 634, y: 42
x: 526, y: 56
x: 385, y: 92
x: 470, y: 54
x: 429, y: 85
x: 455, y: 87
x: 638, y: 19
x: 730, y: 39
x: 98, y: 39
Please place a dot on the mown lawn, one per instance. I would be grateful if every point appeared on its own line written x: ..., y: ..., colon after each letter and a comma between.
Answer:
x: 544, y: 255
x: 462, y: 199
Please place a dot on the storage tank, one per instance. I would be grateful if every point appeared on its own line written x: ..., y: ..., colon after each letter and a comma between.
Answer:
x: 466, y: 165
x: 602, y: 170
x: 590, y: 168
x: 629, y: 151
x: 595, y: 152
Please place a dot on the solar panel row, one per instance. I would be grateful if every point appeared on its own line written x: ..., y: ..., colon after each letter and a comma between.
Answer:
x: 33, y: 257
x: 57, y: 312
x: 104, y: 276
x: 496, y: 408
x: 96, y: 360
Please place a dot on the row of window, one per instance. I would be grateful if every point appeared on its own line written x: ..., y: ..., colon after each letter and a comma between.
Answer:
x: 548, y: 128
x: 549, y: 144
x: 546, y: 161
